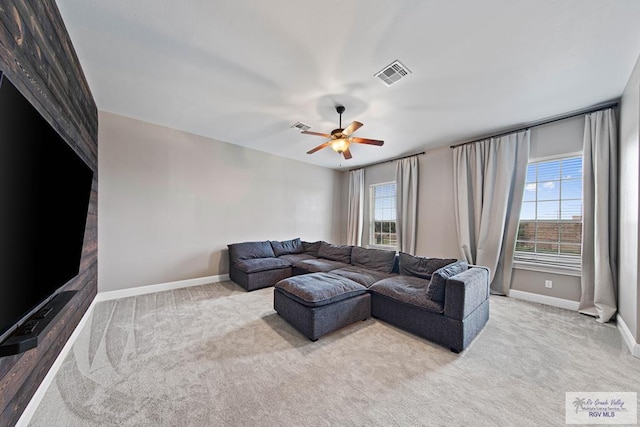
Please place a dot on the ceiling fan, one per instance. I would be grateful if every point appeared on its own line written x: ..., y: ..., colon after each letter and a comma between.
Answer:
x: 341, y: 138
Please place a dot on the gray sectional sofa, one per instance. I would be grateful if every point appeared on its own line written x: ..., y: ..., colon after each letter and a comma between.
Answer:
x: 320, y: 287
x: 255, y: 265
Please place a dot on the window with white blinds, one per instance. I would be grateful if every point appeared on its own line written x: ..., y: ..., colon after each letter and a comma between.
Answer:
x: 550, y: 227
x: 382, y: 224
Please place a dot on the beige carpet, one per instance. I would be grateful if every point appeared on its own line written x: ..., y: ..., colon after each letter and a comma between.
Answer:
x: 216, y: 355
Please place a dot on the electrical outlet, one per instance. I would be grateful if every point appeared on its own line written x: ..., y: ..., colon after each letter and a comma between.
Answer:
x: 548, y: 284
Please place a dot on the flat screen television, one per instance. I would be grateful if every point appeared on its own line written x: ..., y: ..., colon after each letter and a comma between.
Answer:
x: 44, y: 198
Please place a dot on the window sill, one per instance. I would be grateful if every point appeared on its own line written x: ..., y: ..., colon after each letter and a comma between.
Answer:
x: 544, y: 268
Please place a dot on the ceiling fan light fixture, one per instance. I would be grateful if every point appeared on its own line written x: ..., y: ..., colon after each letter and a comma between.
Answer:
x: 340, y: 145
x: 341, y: 139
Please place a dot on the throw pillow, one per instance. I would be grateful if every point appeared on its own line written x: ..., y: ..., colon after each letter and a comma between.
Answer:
x: 436, y: 288
x: 249, y: 250
x: 375, y: 259
x: 293, y: 246
x: 341, y: 253
x: 311, y: 248
x: 420, y: 266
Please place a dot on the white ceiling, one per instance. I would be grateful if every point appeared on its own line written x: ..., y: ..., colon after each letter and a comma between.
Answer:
x: 244, y: 71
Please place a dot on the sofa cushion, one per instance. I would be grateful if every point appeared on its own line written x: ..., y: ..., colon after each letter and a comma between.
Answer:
x: 341, y: 253
x: 293, y: 258
x: 421, y: 266
x: 318, y: 289
x: 315, y: 265
x: 261, y: 264
x: 249, y: 250
x: 293, y: 246
x: 374, y: 259
x: 364, y: 276
x: 409, y: 290
x: 436, y: 288
x: 311, y: 248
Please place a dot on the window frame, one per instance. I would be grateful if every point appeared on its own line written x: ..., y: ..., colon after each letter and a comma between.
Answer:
x: 372, y: 206
x: 549, y: 266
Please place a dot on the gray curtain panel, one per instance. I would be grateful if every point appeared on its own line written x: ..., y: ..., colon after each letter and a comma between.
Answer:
x: 599, y: 216
x: 407, y: 203
x: 355, y: 212
x: 489, y: 179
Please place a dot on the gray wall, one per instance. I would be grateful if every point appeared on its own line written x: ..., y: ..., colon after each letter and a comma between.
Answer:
x: 557, y: 138
x: 437, y: 234
x: 170, y: 202
x: 628, y: 297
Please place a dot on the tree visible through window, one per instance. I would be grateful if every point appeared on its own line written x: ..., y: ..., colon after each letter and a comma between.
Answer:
x: 382, y: 231
x: 550, y: 228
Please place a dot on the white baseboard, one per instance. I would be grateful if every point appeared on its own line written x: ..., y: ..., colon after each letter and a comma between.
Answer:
x: 33, y: 404
x: 150, y: 289
x: 25, y: 418
x: 634, y: 347
x: 544, y: 299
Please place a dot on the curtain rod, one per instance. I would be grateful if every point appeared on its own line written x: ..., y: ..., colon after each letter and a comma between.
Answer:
x: 603, y: 106
x: 387, y: 161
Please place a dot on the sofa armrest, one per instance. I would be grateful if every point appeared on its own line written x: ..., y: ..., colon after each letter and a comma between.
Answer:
x: 464, y: 292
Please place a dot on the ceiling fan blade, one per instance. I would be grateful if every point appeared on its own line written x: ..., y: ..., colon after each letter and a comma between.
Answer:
x: 347, y: 154
x: 354, y: 126
x: 367, y: 141
x: 316, y: 133
x: 319, y: 147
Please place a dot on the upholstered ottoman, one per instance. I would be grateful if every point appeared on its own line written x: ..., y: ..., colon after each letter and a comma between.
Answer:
x: 319, y: 303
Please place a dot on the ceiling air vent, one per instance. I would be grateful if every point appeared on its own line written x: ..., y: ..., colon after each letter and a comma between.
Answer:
x: 392, y: 73
x: 301, y: 127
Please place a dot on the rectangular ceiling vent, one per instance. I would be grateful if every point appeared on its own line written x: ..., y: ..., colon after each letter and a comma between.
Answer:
x: 301, y: 127
x: 392, y: 73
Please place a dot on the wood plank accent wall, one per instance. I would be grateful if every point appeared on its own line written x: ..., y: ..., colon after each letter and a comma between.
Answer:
x: 37, y: 55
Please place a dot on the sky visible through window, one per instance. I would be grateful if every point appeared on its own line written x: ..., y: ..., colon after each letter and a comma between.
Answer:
x: 385, y: 202
x: 556, y: 186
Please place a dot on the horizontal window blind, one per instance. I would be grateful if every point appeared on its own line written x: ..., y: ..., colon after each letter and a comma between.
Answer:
x: 550, y: 227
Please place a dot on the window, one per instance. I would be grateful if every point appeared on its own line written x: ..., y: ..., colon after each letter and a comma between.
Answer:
x: 382, y: 228
x: 550, y: 228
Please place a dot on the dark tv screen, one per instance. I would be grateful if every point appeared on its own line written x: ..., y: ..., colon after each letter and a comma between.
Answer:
x: 44, y: 197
